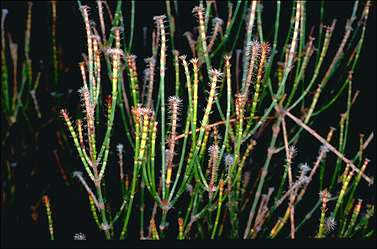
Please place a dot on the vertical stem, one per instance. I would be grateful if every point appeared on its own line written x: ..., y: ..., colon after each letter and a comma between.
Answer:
x: 49, y: 216
x: 132, y: 25
x: 270, y: 152
x: 54, y: 51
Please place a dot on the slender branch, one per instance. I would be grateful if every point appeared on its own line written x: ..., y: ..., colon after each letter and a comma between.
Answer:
x: 370, y: 180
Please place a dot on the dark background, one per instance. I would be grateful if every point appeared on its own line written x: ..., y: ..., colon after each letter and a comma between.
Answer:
x: 69, y: 203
